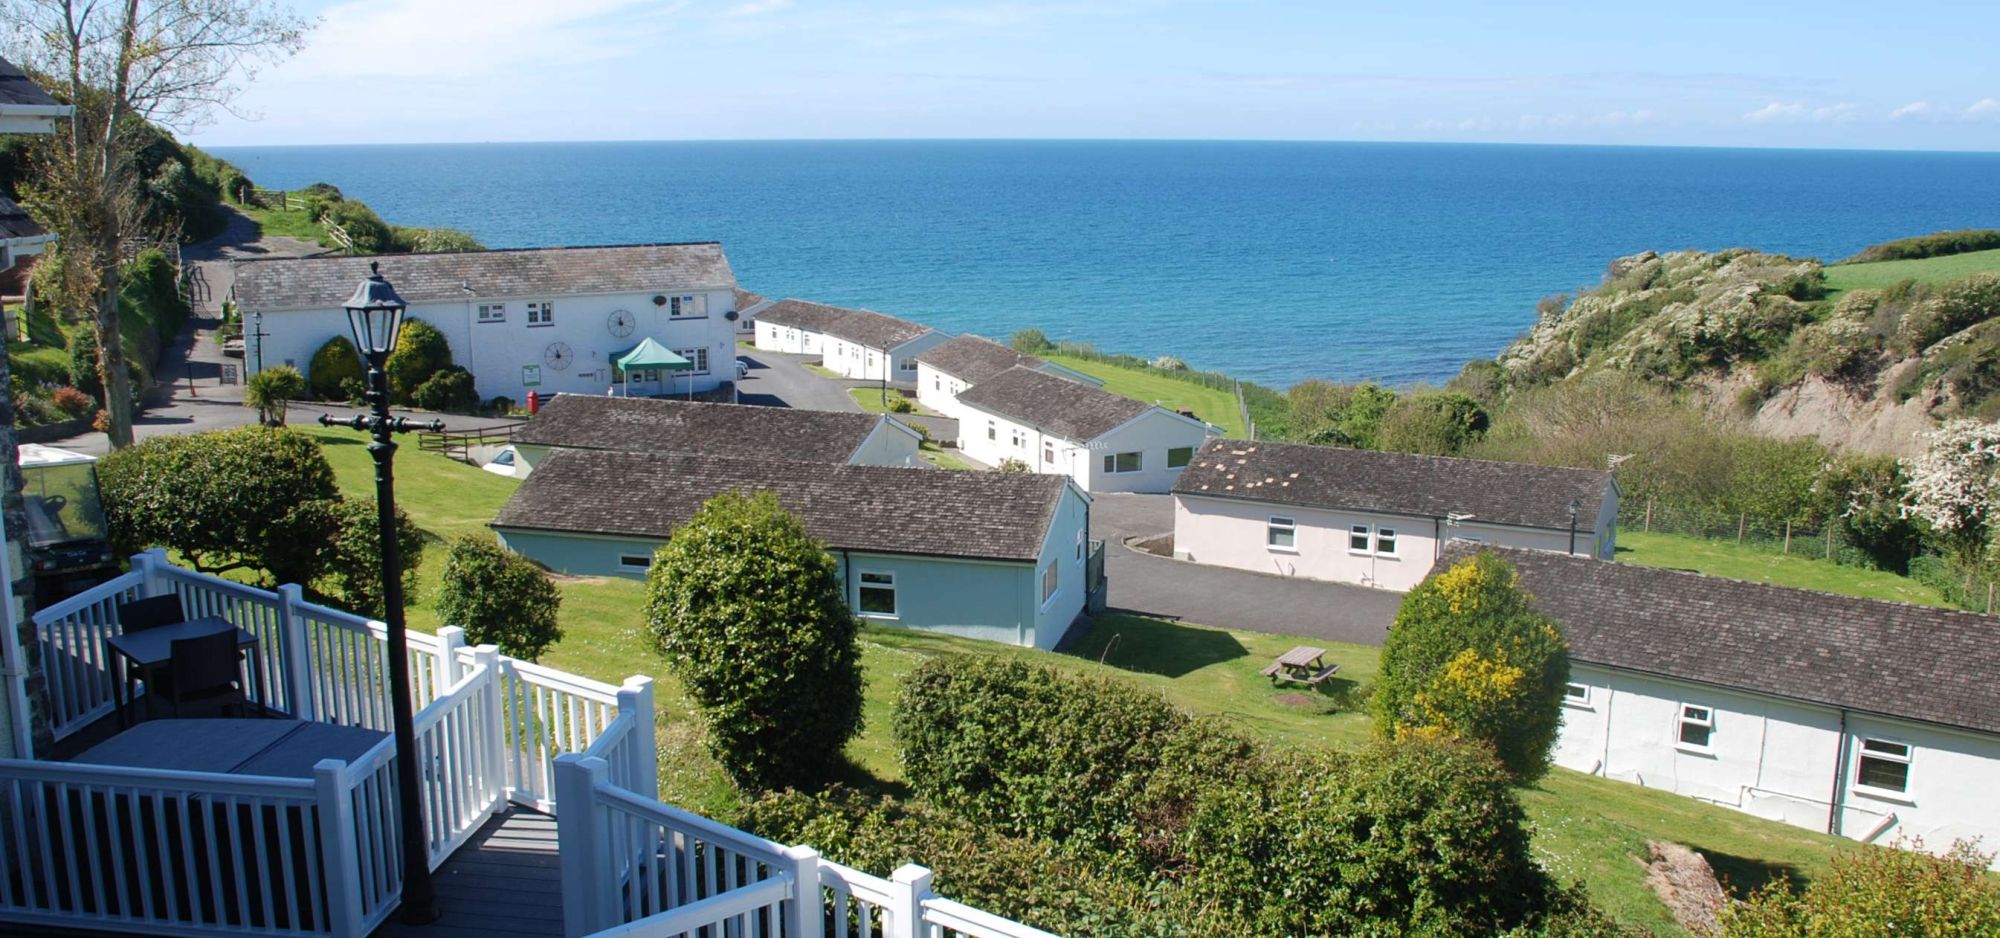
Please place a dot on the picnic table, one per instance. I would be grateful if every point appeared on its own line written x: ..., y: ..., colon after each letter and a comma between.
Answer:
x: 1303, y: 664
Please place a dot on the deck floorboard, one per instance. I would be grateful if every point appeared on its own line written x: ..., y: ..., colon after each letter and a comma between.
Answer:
x: 504, y: 881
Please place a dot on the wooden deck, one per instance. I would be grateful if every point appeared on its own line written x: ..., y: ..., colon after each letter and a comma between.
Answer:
x: 504, y: 881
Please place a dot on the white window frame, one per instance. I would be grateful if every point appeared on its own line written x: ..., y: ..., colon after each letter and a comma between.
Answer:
x: 1907, y: 760
x: 1684, y: 720
x: 541, y: 313
x: 693, y: 306
x: 492, y: 312
x: 1280, y: 524
x: 1020, y: 439
x: 1367, y: 534
x: 1171, y: 450
x: 1581, y: 701
x: 697, y: 355
x: 907, y: 364
x: 1048, y: 453
x: 1138, y: 463
x: 1391, y: 552
x: 888, y: 584
x: 992, y: 431
x: 625, y: 564
x: 1051, y: 582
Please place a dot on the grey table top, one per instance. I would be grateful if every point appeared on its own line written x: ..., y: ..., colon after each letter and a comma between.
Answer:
x: 155, y: 645
x: 272, y: 748
x: 1302, y: 656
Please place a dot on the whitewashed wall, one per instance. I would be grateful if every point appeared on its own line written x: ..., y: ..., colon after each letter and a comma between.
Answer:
x: 863, y: 363
x: 1231, y: 532
x: 500, y: 354
x: 939, y: 391
x: 1778, y: 759
x: 990, y: 438
x: 776, y: 337
x: 1151, y: 434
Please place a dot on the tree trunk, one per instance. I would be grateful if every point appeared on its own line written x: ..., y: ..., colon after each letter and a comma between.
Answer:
x: 15, y: 511
x: 112, y: 368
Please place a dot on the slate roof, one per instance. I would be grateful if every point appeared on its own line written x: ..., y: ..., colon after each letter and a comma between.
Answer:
x: 974, y: 358
x: 803, y: 314
x: 17, y: 89
x: 746, y: 299
x: 325, y: 282
x: 1895, y: 659
x: 869, y: 328
x: 583, y: 421
x: 1057, y: 406
x: 982, y: 515
x: 1401, y: 483
x: 14, y: 221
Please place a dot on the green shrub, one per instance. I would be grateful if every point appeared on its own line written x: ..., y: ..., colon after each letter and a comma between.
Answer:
x: 433, y: 240
x: 499, y: 597
x: 421, y: 352
x: 332, y: 367
x: 83, y: 362
x: 1434, y: 424
x: 901, y: 405
x: 1470, y: 657
x: 1877, y: 891
x: 270, y: 390
x: 1329, y: 414
x: 1938, y: 244
x: 1950, y: 309
x: 370, y: 234
x: 1863, y: 497
x: 451, y: 389
x: 1031, y: 342
x: 72, y: 402
x: 1011, y: 464
x: 351, y: 566
x: 747, y: 609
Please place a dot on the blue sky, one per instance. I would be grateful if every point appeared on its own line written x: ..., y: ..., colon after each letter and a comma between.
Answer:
x: 1832, y: 73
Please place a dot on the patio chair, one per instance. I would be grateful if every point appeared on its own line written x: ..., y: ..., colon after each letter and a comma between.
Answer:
x: 204, y: 670
x: 150, y: 613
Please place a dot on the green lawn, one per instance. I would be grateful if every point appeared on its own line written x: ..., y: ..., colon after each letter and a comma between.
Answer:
x: 942, y: 458
x: 287, y: 223
x: 876, y: 401
x: 1215, y: 406
x: 1726, y: 558
x: 1878, y: 274
x: 823, y: 371
x: 1585, y: 828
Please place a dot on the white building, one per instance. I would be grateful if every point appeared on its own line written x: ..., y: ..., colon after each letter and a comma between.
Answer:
x: 796, y: 327
x: 732, y: 431
x: 24, y: 109
x: 1377, y: 519
x: 541, y: 319
x: 988, y: 555
x: 1872, y: 720
x: 748, y: 306
x: 946, y: 369
x: 867, y: 346
x: 1104, y: 441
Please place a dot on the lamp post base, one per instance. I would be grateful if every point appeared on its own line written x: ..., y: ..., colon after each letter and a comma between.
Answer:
x: 422, y: 912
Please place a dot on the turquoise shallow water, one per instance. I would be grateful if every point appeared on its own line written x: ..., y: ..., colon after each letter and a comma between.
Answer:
x: 1271, y: 261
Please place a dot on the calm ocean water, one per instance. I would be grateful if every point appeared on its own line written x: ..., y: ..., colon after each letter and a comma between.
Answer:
x: 1270, y: 261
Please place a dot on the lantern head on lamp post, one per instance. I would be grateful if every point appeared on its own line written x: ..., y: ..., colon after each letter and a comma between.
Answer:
x: 1575, y: 505
x: 375, y: 314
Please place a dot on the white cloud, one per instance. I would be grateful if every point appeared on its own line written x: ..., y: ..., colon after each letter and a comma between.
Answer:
x: 1983, y: 108
x: 1911, y: 111
x: 1837, y: 114
x: 759, y: 7
x: 1777, y: 111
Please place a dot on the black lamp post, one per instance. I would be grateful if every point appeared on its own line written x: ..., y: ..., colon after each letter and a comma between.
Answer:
x: 1575, y: 505
x: 375, y: 314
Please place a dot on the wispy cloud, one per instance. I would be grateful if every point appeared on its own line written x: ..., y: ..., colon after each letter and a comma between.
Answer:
x: 1781, y: 112
x: 759, y: 8
x: 1983, y: 108
x: 1915, y: 110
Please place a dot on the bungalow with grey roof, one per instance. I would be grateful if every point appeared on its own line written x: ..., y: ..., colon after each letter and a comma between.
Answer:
x: 796, y: 327
x: 869, y: 346
x: 946, y: 369
x: 997, y: 556
x: 1104, y: 441
x: 551, y: 320
x: 733, y: 431
x: 748, y: 306
x: 1377, y: 519
x: 1871, y: 720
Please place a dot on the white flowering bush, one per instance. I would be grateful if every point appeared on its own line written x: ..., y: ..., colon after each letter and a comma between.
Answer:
x: 1954, y: 485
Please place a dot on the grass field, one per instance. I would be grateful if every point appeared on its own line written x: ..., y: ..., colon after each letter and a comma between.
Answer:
x: 1586, y: 828
x: 1725, y: 558
x: 875, y: 401
x: 1215, y: 406
x: 288, y: 223
x: 1874, y: 276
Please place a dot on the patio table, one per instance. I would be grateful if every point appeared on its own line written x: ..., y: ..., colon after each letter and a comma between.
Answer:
x: 144, y: 652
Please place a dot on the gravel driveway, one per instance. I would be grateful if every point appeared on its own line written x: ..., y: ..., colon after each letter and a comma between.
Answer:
x: 1220, y: 596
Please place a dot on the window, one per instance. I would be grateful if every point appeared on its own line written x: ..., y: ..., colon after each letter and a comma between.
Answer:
x: 687, y: 307
x: 636, y: 562
x: 1577, y: 695
x: 1357, y: 539
x: 878, y: 594
x: 1079, y: 543
x: 907, y: 364
x: 1385, y: 541
x: 1697, y: 726
x: 992, y: 431
x: 937, y: 383
x: 1020, y: 439
x: 1179, y: 456
x: 1048, y: 452
x: 1885, y: 766
x: 492, y: 312
x: 542, y: 314
x: 1049, y: 581
x: 697, y: 355
x: 1281, y: 534
x: 1123, y: 462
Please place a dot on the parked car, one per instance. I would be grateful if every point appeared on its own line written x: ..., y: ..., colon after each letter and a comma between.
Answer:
x: 502, y: 463
x: 742, y: 368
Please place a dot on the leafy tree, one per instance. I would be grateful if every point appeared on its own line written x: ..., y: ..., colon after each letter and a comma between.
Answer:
x: 1863, y: 496
x: 498, y: 596
x: 269, y: 391
x: 1330, y: 414
x: 332, y: 367
x: 1469, y: 657
x: 1435, y: 424
x: 351, y: 564
x: 1954, y: 485
x: 1031, y: 342
x: 421, y: 351
x: 1773, y: 479
x: 1877, y: 891
x: 747, y: 609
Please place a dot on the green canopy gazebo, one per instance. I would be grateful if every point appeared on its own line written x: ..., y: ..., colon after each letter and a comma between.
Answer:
x: 649, y: 355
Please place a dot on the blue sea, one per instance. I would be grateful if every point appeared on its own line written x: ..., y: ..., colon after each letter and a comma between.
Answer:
x: 1269, y: 261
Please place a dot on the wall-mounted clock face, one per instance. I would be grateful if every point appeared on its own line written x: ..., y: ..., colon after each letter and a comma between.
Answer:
x: 558, y: 355
x: 619, y: 322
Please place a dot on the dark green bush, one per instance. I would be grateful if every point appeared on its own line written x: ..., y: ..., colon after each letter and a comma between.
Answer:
x: 747, y: 609
x: 1938, y: 244
x: 1434, y: 424
x: 332, y: 367
x: 499, y: 597
x: 351, y: 564
x: 451, y: 389
x: 421, y: 351
x: 1031, y: 342
x: 1950, y: 309
x: 1877, y: 891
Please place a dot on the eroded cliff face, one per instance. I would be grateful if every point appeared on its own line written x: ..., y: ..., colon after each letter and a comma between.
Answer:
x: 1865, y: 419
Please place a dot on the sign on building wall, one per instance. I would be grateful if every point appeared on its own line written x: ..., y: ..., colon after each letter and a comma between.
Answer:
x: 531, y: 375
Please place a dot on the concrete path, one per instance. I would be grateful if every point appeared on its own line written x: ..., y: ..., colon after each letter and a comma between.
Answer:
x: 777, y: 379
x: 1254, y: 602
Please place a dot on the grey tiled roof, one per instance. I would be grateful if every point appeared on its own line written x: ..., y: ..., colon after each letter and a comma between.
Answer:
x: 746, y: 299
x: 724, y: 430
x: 1058, y: 406
x: 973, y: 359
x: 16, y: 88
x: 1403, y: 483
x: 14, y: 221
x: 803, y: 314
x: 869, y: 328
x: 325, y: 282
x: 1914, y: 662
x: 985, y: 515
